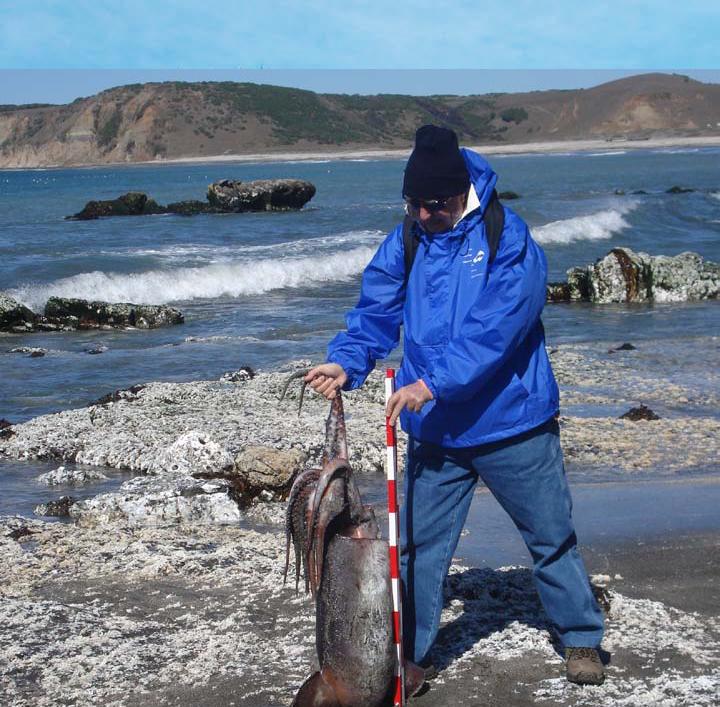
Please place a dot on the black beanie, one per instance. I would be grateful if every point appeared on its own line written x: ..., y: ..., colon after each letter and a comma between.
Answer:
x: 435, y: 168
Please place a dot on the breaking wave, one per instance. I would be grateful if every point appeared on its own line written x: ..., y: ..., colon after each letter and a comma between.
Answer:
x: 226, y: 279
x: 608, y: 153
x: 213, y: 252
x: 600, y: 225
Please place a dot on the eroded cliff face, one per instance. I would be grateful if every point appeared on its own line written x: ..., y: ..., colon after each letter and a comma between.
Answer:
x: 121, y: 125
x: 145, y: 122
x: 155, y: 121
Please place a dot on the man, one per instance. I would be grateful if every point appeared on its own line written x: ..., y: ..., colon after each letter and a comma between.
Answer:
x: 476, y: 394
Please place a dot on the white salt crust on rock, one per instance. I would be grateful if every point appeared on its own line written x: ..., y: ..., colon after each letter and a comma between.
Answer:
x: 170, y: 431
x: 142, y: 501
x: 61, y: 475
x: 176, y: 428
x: 182, y: 428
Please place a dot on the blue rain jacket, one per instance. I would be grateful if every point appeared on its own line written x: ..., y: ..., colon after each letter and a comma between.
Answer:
x: 472, y: 331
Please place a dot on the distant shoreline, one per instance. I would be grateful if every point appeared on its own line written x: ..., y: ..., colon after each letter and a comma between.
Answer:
x: 336, y: 155
x: 516, y: 149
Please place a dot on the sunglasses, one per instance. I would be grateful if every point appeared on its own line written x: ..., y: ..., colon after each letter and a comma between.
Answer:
x: 431, y: 205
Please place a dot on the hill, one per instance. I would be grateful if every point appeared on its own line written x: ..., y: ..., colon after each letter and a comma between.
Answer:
x: 173, y: 120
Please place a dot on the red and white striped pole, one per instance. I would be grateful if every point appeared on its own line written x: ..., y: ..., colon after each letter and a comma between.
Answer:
x: 393, y: 534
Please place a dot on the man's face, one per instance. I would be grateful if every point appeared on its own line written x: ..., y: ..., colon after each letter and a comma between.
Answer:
x: 437, y: 215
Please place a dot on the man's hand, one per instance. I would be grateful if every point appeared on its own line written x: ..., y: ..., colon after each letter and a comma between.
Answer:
x: 413, y: 397
x: 326, y: 379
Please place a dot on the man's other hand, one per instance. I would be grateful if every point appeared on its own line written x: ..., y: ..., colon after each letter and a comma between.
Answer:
x: 326, y: 379
x: 413, y: 397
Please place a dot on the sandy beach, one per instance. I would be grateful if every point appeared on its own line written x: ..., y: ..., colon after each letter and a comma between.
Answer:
x: 527, y: 148
x: 370, y: 153
x: 184, y: 616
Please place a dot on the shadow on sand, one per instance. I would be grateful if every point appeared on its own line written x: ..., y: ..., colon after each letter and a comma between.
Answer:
x: 491, y: 601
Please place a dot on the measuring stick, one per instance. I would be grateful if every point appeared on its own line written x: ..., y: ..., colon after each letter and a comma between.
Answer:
x: 393, y: 534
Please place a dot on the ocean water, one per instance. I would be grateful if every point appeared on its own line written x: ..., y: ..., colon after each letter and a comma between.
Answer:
x: 264, y: 289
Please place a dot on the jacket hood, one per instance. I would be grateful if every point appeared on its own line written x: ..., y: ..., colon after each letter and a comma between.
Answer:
x: 482, y: 176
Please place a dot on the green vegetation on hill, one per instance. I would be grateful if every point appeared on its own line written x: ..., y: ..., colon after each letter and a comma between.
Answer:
x: 514, y: 115
x: 9, y: 107
x: 183, y: 119
x: 331, y: 119
x: 108, y: 131
x: 295, y: 114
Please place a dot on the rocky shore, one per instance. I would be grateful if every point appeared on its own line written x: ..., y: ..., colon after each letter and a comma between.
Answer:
x: 71, y: 314
x: 192, y: 433
x: 168, y: 590
x: 626, y: 276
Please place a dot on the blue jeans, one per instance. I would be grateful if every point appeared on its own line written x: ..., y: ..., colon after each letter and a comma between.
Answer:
x: 527, y: 476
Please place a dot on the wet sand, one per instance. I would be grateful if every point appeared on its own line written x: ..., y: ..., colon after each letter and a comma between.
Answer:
x: 187, y: 616
x: 679, y: 574
x: 607, y: 514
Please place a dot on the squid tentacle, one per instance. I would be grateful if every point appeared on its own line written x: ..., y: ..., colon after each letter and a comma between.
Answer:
x: 335, y: 434
x: 296, y: 523
x: 312, y: 506
x: 290, y: 379
x: 319, y: 518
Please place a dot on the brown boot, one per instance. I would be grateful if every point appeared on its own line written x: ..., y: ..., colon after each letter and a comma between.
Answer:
x: 431, y: 672
x: 414, y: 678
x: 583, y: 666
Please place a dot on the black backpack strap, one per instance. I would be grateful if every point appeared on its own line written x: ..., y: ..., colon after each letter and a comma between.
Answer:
x: 494, y: 218
x: 410, y: 244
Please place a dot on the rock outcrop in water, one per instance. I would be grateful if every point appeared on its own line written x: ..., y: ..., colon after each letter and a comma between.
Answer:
x: 224, y: 196
x: 15, y: 316
x: 56, y: 509
x: 626, y: 276
x: 131, y: 204
x: 69, y: 314
x: 642, y: 412
x: 94, y: 315
x: 260, y: 195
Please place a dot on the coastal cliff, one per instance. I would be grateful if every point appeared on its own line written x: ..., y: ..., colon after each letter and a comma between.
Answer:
x: 175, y: 120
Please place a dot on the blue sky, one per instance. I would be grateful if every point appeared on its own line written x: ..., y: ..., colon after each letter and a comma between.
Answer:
x: 91, y: 37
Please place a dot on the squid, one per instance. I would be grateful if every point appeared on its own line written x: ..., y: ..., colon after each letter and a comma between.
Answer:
x: 344, y: 560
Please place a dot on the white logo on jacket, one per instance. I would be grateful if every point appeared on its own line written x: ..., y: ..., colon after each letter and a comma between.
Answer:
x: 473, y: 261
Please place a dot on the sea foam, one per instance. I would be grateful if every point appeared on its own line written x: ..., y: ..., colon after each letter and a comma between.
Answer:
x: 225, y: 279
x: 217, y: 252
x: 263, y: 268
x: 600, y: 225
x: 609, y: 153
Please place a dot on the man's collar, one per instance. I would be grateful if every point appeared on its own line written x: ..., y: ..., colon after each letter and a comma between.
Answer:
x: 472, y: 203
